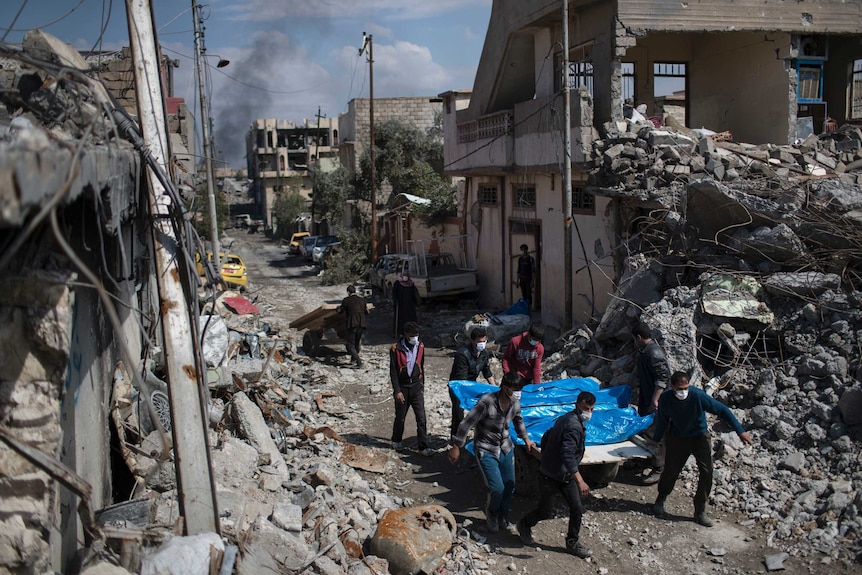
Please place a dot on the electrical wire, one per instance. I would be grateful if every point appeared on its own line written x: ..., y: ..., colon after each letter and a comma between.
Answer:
x: 51, y: 23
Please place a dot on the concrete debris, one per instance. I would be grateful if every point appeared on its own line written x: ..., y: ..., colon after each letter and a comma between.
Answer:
x: 775, y: 562
x: 184, y: 556
x: 751, y: 286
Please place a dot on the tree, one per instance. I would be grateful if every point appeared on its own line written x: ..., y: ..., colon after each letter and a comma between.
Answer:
x: 198, y: 208
x: 331, y: 190
x: 411, y: 161
x: 288, y: 206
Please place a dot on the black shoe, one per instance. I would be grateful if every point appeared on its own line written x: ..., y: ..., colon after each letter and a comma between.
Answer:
x: 703, y: 519
x: 525, y: 533
x: 578, y: 549
x: 652, y: 478
x: 658, y: 507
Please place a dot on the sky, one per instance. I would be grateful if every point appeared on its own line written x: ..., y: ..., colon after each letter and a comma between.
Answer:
x: 287, y: 57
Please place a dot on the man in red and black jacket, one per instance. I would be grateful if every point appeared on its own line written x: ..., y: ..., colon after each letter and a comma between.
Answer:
x: 407, y: 373
x: 524, y: 354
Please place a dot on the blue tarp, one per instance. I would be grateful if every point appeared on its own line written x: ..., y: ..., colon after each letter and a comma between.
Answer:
x: 542, y: 403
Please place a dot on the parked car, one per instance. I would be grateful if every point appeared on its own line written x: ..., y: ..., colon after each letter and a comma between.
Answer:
x: 306, y: 246
x: 233, y: 270
x: 295, y: 241
x: 319, y: 244
x: 384, y: 266
x: 241, y: 220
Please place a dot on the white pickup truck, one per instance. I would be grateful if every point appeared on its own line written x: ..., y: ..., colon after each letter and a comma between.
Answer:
x: 435, y: 275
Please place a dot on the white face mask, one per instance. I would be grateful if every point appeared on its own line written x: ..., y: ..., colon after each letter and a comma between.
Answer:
x: 585, y: 417
x: 404, y: 278
x: 681, y: 393
x: 534, y: 342
x: 516, y: 395
x: 413, y: 340
x: 480, y: 345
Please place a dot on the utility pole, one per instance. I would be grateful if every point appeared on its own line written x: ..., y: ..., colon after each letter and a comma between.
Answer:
x: 567, y: 172
x: 368, y: 41
x: 195, y: 487
x: 200, y: 50
x: 316, y: 159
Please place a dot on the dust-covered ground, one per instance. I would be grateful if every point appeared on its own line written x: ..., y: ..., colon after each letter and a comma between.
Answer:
x: 618, y: 526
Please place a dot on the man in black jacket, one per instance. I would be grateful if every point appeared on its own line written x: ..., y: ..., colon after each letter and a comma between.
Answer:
x: 469, y: 362
x: 562, y: 451
x: 354, y: 308
x: 407, y: 375
x: 653, y: 377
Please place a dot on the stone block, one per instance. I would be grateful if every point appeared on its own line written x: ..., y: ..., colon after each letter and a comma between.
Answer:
x: 287, y: 516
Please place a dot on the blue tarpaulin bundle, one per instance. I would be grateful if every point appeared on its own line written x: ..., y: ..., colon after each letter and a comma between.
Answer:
x: 542, y: 403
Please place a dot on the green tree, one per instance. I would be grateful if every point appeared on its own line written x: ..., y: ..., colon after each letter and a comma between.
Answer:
x: 331, y: 190
x: 198, y: 208
x: 287, y: 207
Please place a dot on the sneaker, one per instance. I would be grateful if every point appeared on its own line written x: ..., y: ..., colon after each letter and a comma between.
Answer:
x: 703, y: 519
x: 578, y: 549
x: 652, y: 478
x: 493, y: 524
x: 658, y: 507
x: 525, y: 533
x: 426, y: 452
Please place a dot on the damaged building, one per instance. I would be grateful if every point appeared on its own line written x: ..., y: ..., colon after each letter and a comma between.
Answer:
x: 754, y: 72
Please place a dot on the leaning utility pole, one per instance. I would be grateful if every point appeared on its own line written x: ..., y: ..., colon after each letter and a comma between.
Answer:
x: 208, y: 163
x: 567, y: 173
x: 368, y: 41
x: 317, y: 160
x: 195, y: 488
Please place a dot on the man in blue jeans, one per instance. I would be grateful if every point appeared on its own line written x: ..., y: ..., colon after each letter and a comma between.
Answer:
x: 494, y: 449
x: 562, y: 451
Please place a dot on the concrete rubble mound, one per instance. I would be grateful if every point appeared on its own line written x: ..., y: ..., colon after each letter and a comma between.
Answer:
x: 746, y: 262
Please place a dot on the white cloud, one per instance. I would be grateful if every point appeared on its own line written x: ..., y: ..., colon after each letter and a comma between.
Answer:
x: 469, y: 34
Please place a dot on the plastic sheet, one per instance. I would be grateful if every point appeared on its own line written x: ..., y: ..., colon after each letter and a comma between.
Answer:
x: 542, y: 403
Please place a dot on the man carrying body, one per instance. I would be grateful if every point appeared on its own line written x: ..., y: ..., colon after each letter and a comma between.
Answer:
x: 682, y: 415
x: 653, y: 375
x: 562, y: 451
x: 469, y: 362
x: 524, y: 354
x: 407, y: 374
x: 355, y: 308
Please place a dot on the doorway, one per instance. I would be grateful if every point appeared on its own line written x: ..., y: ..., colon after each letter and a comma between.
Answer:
x: 527, y: 232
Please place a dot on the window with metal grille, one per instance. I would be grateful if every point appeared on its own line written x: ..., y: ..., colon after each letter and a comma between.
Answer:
x: 525, y: 196
x: 488, y: 195
x: 583, y: 202
x: 628, y: 70
x: 856, y: 91
x: 580, y: 69
x: 668, y: 78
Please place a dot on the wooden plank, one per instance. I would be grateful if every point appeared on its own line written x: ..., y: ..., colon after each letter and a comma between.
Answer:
x: 614, y: 452
x: 314, y: 318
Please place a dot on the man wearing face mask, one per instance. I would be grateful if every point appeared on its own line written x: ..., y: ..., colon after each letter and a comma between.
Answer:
x: 653, y: 375
x: 682, y: 414
x: 493, y: 447
x: 562, y: 451
x: 407, y: 374
x: 524, y: 354
x: 405, y: 297
x: 469, y: 362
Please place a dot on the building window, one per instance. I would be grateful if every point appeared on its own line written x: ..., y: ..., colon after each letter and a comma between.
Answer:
x: 583, y: 202
x: 668, y: 78
x: 628, y: 70
x: 488, y: 195
x: 856, y: 91
x: 580, y: 71
x: 525, y: 196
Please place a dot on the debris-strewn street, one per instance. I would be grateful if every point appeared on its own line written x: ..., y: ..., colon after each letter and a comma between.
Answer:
x: 331, y: 424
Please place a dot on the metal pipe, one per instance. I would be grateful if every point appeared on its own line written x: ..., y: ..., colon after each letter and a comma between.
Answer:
x: 567, y: 173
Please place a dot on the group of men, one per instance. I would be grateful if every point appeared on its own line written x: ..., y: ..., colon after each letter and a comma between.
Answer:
x: 679, y: 430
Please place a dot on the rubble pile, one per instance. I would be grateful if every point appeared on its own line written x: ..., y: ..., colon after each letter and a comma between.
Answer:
x: 748, y: 278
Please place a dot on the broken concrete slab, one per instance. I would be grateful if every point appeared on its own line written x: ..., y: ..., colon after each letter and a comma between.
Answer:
x: 802, y: 284
x: 735, y: 297
x: 251, y: 425
x: 183, y: 555
x: 775, y: 562
x: 287, y: 549
x: 775, y: 244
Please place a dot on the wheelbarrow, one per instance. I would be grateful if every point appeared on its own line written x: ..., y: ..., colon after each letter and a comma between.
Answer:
x: 320, y: 324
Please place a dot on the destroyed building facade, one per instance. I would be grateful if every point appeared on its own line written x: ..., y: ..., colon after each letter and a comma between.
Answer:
x: 756, y: 72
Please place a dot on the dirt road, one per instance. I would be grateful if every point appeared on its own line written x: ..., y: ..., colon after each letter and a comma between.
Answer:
x: 624, y: 536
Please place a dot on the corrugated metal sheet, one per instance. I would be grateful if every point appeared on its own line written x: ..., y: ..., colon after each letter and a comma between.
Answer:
x: 802, y: 16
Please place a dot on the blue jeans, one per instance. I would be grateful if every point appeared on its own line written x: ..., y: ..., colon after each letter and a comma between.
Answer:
x: 499, y: 476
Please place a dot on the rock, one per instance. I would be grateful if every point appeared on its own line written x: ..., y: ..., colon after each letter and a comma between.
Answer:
x: 287, y: 516
x: 764, y: 416
x: 850, y: 406
x: 775, y: 562
x: 794, y: 462
x: 252, y: 427
x: 783, y: 430
x: 320, y: 474
x: 181, y: 555
x: 803, y: 284
x: 286, y: 548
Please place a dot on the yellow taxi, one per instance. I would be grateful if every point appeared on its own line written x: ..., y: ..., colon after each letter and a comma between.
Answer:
x: 233, y: 270
x: 295, y: 241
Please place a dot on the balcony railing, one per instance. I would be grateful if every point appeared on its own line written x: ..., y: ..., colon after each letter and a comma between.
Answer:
x: 491, y: 126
